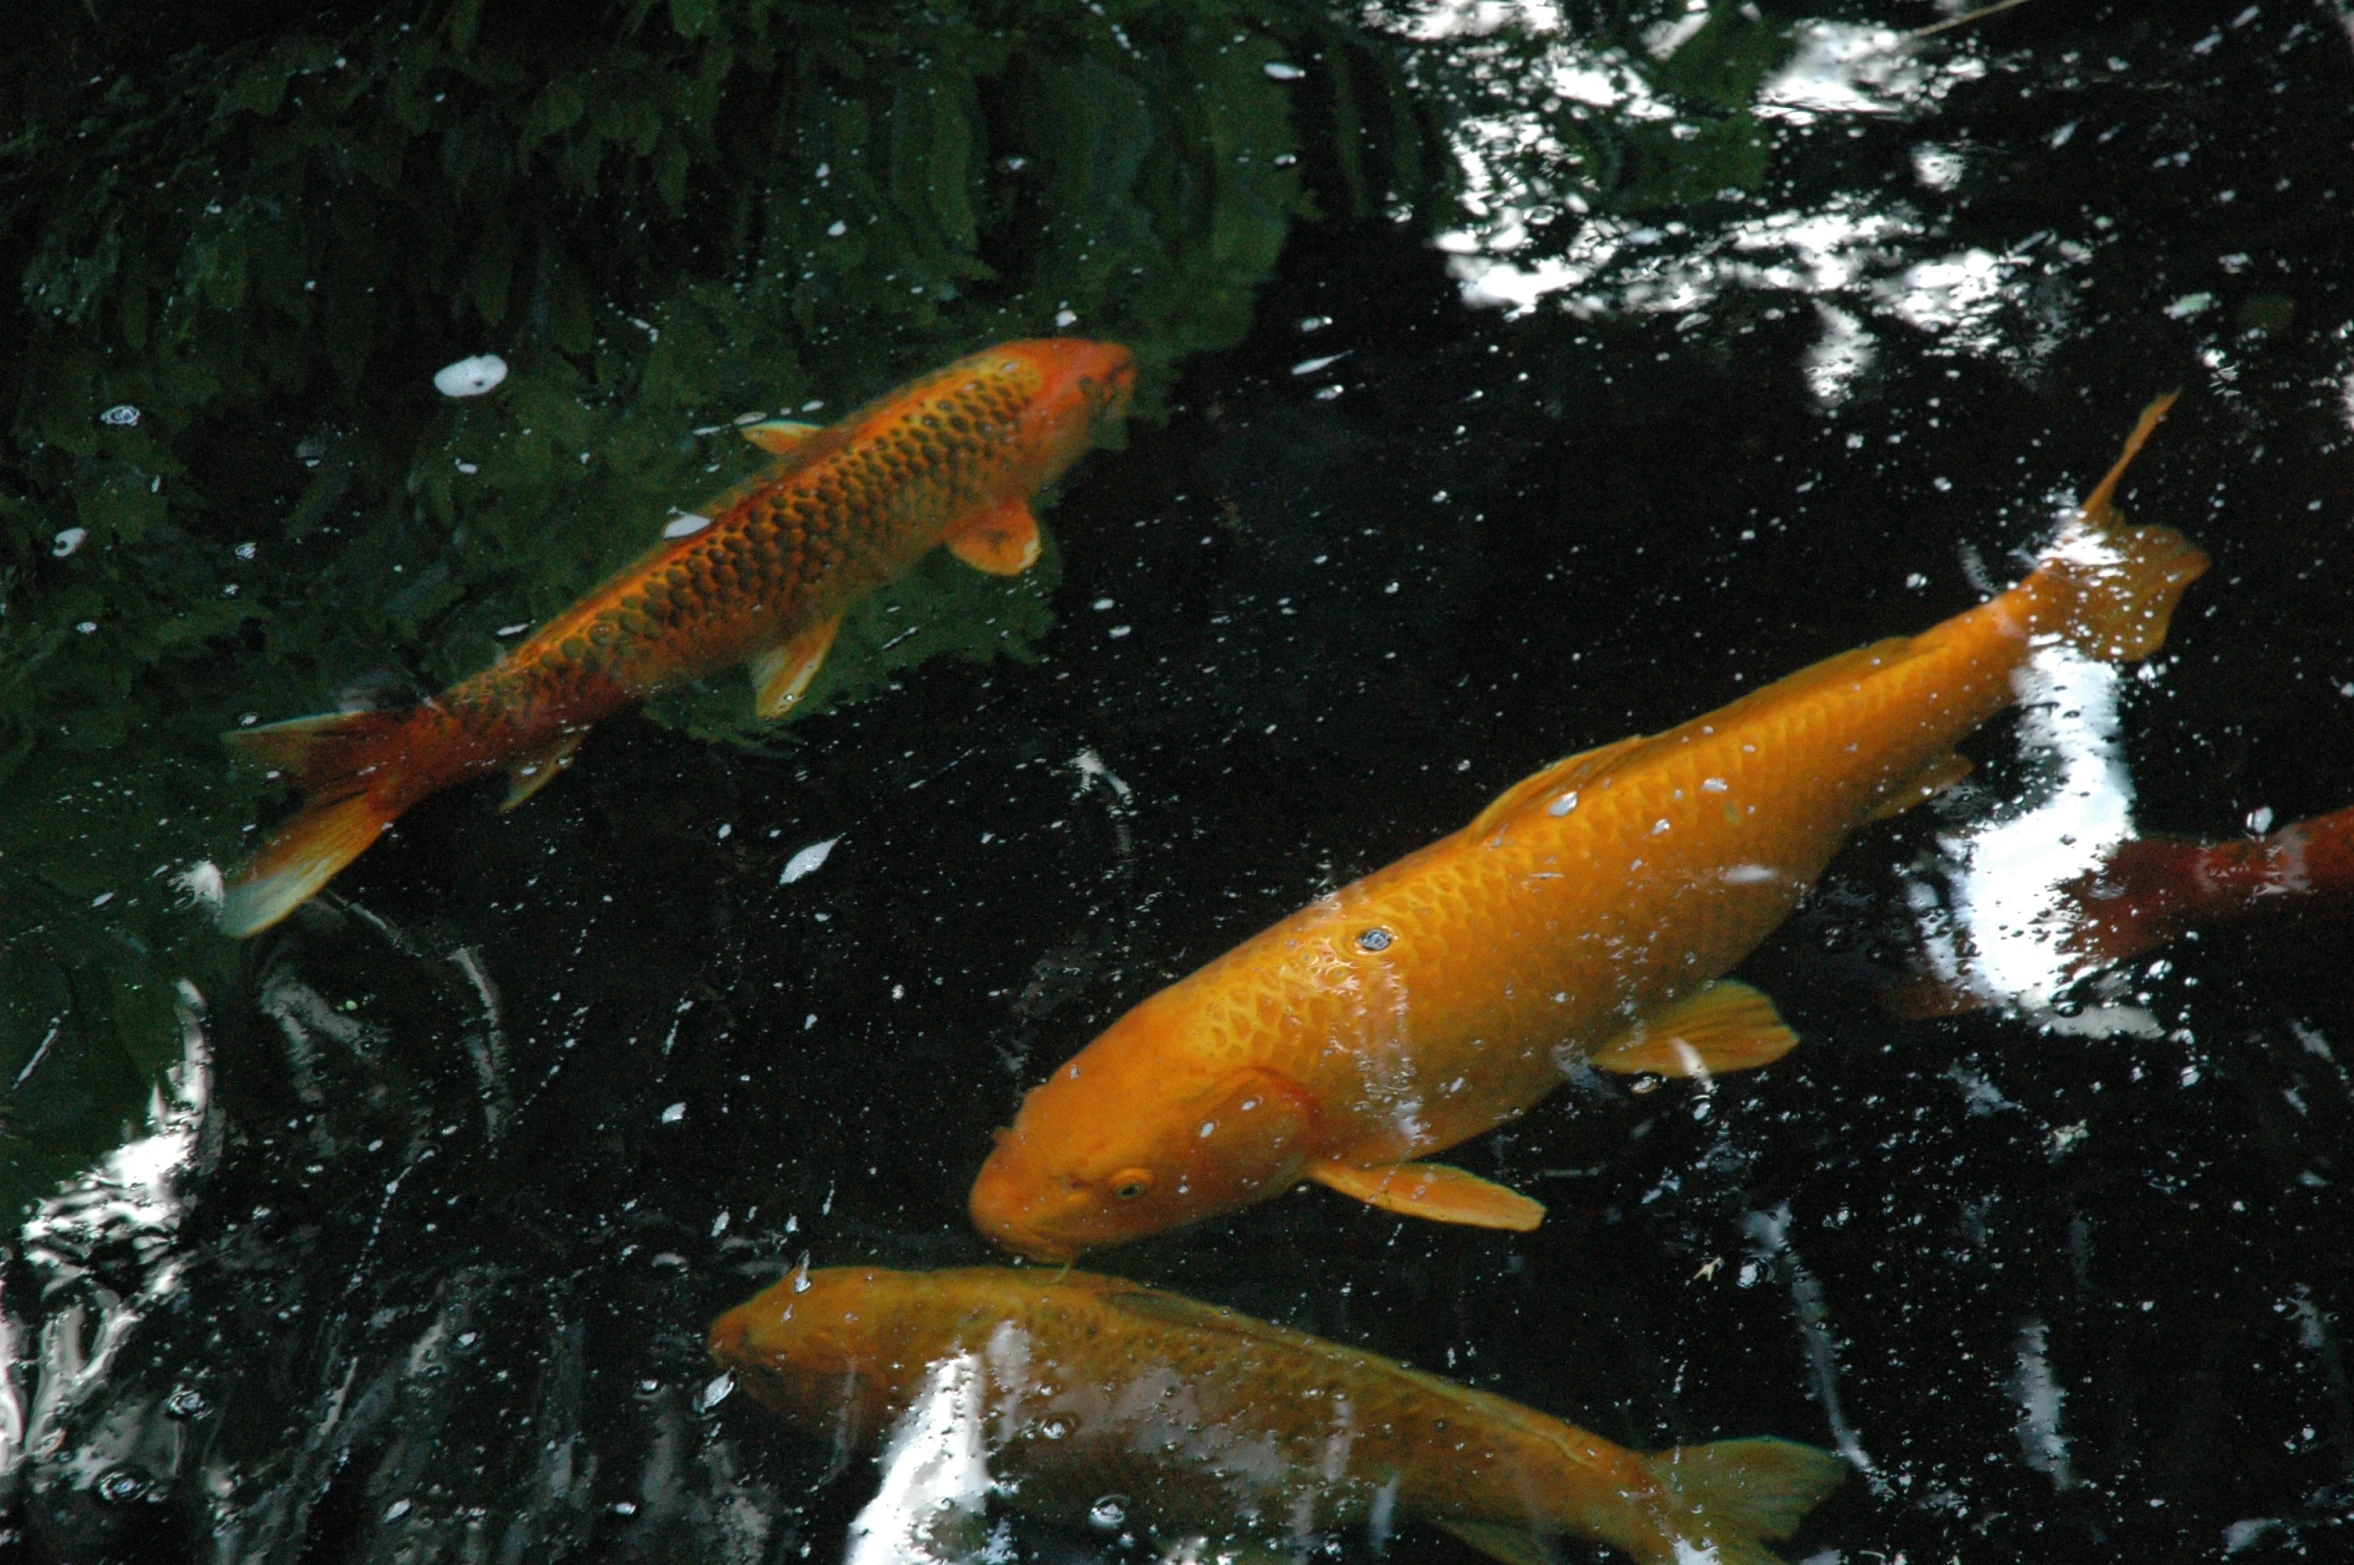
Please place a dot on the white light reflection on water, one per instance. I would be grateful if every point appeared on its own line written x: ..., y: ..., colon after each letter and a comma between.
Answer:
x: 1999, y: 936
x: 1524, y: 234
x: 932, y: 1506
x: 129, y: 1205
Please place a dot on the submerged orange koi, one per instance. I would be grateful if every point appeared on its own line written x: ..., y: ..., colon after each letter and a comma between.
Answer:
x: 763, y: 574
x: 2147, y: 891
x: 1226, y: 1430
x: 1585, y: 918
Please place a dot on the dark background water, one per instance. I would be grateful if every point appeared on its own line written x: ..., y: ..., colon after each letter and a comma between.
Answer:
x: 496, y: 1129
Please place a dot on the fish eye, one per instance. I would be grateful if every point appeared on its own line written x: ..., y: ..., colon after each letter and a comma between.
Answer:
x: 1131, y: 1183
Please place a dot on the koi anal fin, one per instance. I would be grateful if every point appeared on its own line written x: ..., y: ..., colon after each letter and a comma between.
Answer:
x: 534, y: 772
x: 1924, y: 785
x: 1512, y: 1545
x: 781, y: 675
x: 1727, y: 1026
x: 2110, y: 588
x: 1003, y: 542
x: 1433, y: 1190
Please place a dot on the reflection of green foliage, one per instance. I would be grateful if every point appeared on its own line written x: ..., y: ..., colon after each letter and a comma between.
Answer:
x: 1681, y: 131
x: 266, y: 234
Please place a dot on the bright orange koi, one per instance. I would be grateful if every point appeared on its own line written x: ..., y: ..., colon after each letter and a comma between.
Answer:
x: 1227, y: 1430
x: 1585, y: 918
x: 762, y: 574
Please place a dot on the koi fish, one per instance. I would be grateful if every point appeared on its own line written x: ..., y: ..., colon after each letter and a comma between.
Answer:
x: 1219, y: 1427
x: 1586, y: 918
x: 2147, y: 891
x: 761, y: 575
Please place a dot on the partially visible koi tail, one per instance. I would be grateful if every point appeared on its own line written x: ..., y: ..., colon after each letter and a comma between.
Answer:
x: 1741, y: 1495
x: 344, y: 762
x: 1731, y: 1500
x: 2110, y: 588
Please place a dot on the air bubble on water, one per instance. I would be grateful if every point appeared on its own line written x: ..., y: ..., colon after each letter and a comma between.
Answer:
x: 2260, y: 818
x: 673, y: 1114
x: 1277, y: 70
x: 715, y: 1391
x: 685, y: 526
x: 68, y: 541
x: 1066, y: 318
x: 470, y: 377
x: 122, y: 416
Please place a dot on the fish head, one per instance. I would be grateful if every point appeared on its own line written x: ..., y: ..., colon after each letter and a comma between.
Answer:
x: 1079, y: 390
x: 816, y: 1348
x: 1110, y: 1149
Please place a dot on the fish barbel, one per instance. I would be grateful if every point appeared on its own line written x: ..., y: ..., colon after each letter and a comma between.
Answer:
x: 762, y: 575
x: 1216, y: 1426
x: 1586, y: 917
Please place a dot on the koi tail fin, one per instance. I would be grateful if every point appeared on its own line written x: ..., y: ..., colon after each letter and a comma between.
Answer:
x: 1739, y: 1495
x: 342, y: 760
x: 2108, y: 587
x: 1730, y: 1500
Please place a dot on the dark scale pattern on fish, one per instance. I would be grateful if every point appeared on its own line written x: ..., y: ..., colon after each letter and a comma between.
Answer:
x: 783, y: 556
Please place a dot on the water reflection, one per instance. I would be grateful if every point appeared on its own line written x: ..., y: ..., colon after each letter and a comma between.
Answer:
x: 2001, y: 930
x: 107, y: 1249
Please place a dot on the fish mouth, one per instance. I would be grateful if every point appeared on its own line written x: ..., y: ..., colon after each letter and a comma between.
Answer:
x: 1008, y: 1218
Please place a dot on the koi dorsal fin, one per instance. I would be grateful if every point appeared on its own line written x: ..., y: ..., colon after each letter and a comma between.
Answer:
x: 779, y: 436
x: 1561, y: 777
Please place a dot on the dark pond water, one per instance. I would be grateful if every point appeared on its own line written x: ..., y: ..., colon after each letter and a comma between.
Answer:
x: 411, y: 1255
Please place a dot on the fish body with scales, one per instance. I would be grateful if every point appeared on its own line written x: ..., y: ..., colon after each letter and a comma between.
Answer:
x: 1586, y: 918
x: 1209, y: 1424
x: 762, y: 575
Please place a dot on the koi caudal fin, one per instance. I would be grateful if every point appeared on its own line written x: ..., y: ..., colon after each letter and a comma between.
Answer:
x: 344, y: 762
x: 1739, y: 1495
x: 2110, y: 588
x: 1729, y: 1500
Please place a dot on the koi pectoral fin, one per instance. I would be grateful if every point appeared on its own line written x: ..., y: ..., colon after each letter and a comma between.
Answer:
x: 1924, y: 785
x: 1433, y: 1190
x: 1727, y: 1026
x: 1003, y: 542
x: 781, y: 675
x: 535, y: 771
